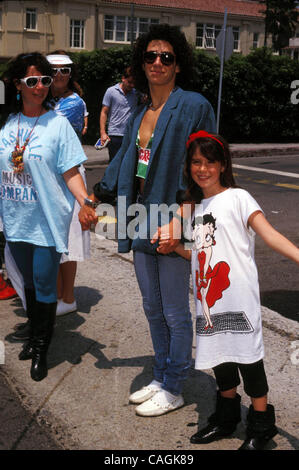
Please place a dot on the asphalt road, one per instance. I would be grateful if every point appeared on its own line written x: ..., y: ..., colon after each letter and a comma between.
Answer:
x: 278, y: 195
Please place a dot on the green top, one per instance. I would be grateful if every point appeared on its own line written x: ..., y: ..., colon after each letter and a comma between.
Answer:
x: 143, y: 156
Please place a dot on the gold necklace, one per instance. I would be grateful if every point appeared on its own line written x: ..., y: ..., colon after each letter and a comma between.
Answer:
x: 17, y: 154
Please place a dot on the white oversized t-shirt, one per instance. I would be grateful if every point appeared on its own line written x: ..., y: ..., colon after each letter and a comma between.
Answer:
x: 36, y: 205
x: 225, y: 280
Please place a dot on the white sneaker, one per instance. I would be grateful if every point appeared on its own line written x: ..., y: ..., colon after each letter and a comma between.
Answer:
x: 63, y: 308
x: 145, y: 392
x: 162, y: 402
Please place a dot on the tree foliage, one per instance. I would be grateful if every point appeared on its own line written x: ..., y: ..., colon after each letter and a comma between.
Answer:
x: 281, y: 20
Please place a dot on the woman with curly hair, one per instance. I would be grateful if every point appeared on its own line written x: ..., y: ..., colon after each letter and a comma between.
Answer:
x: 148, y: 169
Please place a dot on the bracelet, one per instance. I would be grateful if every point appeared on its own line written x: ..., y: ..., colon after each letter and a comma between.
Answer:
x: 88, y: 202
x: 85, y: 127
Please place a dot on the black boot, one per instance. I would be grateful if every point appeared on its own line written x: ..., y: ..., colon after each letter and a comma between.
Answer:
x: 42, y: 328
x: 26, y: 352
x: 260, y: 428
x: 222, y: 423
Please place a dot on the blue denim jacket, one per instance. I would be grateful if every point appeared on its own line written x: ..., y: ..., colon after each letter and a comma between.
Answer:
x: 183, y: 113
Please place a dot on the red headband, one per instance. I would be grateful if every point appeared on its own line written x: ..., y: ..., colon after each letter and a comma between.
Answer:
x: 203, y: 134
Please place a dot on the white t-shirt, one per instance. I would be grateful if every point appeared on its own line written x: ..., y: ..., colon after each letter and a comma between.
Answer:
x: 36, y: 205
x: 225, y: 280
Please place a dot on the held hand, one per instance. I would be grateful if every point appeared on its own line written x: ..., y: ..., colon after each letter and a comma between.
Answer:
x: 167, y: 246
x: 167, y: 243
x: 87, y: 216
x: 156, y: 235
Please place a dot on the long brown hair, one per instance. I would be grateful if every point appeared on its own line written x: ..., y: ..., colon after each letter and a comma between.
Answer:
x: 213, y: 150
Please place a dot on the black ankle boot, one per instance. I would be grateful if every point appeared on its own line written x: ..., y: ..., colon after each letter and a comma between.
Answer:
x: 260, y: 428
x: 222, y: 423
x: 42, y: 328
x: 26, y: 352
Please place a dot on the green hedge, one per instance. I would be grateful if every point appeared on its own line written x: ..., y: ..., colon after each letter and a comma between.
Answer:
x: 256, y: 91
x: 257, y: 98
x: 255, y: 105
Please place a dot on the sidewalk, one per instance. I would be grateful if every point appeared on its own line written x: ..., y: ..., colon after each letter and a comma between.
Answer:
x: 101, y: 157
x: 103, y: 352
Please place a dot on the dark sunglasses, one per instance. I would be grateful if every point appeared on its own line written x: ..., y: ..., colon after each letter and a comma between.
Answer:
x: 167, y: 58
x: 32, y: 81
x: 62, y: 70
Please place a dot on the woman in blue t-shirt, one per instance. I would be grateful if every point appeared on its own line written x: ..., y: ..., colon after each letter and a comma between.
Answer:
x: 39, y: 155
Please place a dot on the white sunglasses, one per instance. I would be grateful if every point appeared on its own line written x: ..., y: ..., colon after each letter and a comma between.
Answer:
x: 62, y: 70
x: 32, y: 81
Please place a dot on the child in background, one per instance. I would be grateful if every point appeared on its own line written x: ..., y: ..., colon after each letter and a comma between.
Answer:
x: 223, y: 224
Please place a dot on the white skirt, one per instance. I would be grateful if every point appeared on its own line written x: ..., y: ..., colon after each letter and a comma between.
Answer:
x: 79, y: 240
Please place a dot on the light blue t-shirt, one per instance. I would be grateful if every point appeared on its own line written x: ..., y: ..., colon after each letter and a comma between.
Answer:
x: 73, y: 108
x: 36, y: 205
x: 120, y: 107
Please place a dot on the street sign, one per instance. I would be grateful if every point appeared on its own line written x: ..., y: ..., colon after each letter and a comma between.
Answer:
x: 228, y: 37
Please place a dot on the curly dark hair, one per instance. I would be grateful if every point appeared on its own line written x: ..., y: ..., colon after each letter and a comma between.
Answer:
x: 17, y: 69
x: 181, y: 48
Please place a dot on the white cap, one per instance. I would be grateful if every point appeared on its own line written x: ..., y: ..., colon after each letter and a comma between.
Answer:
x: 59, y: 59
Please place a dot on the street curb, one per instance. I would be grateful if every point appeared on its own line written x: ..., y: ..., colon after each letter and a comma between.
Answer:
x: 98, y: 159
x: 263, y: 152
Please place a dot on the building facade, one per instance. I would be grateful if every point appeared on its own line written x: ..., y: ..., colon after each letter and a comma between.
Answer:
x: 74, y: 25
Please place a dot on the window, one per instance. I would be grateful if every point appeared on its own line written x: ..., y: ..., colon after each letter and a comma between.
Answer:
x: 255, y: 40
x: 236, y: 33
x: 31, y: 18
x: 206, y: 35
x: 118, y: 28
x: 77, y: 33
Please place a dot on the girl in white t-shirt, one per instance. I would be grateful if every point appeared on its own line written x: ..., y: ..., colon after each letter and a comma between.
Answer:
x: 221, y: 232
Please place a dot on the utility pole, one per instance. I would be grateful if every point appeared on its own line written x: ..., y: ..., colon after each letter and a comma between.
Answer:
x: 132, y: 24
x: 224, y: 48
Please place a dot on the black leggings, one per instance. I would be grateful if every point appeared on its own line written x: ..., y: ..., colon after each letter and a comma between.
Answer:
x: 253, y: 375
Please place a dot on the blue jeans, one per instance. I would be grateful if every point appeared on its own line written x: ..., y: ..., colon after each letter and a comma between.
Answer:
x: 39, y: 267
x: 114, y: 145
x: 164, y: 284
